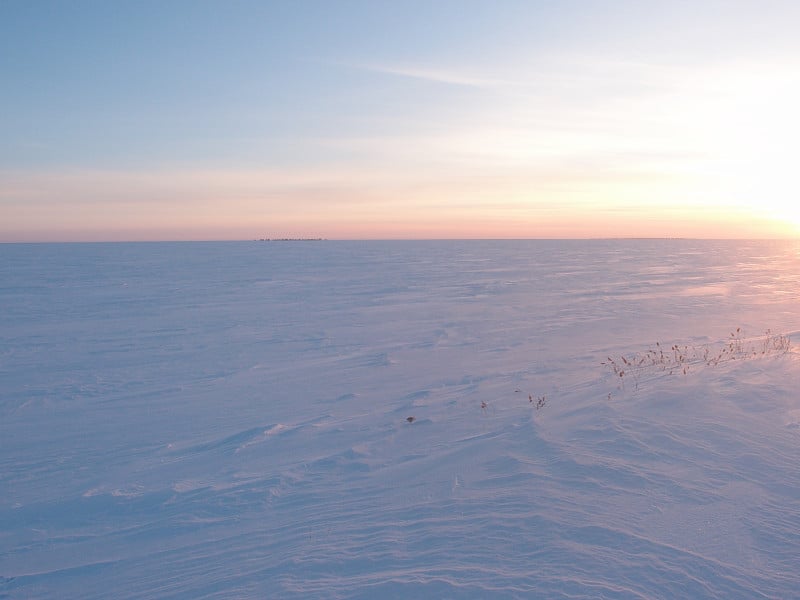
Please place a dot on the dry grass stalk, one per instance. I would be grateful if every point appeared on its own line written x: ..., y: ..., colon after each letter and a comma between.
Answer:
x: 682, y: 359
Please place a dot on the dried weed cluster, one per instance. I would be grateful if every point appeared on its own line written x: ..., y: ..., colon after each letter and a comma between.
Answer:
x: 682, y: 359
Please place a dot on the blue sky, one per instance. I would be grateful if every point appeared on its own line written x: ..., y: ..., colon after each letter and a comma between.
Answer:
x: 233, y: 120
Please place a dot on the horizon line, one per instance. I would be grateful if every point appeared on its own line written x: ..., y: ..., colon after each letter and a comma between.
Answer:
x: 410, y: 239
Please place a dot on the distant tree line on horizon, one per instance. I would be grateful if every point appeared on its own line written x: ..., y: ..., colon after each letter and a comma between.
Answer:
x: 291, y: 240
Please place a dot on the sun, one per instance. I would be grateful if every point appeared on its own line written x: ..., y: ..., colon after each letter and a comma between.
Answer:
x: 772, y: 191
x: 787, y: 213
x: 750, y: 142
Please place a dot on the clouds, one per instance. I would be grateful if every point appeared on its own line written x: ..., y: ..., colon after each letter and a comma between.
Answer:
x: 440, y: 75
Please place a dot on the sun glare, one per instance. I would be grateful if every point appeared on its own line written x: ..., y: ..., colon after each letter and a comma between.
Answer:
x: 769, y: 188
x: 751, y: 145
x: 789, y: 213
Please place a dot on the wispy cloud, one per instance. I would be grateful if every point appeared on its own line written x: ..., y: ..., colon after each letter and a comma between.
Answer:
x: 434, y: 74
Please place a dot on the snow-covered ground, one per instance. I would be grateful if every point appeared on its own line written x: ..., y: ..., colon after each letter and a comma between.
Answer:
x: 231, y: 420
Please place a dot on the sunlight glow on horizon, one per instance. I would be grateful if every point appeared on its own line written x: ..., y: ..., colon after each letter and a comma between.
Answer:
x: 572, y: 136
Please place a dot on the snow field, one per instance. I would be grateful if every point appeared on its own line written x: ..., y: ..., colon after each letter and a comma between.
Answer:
x: 230, y: 420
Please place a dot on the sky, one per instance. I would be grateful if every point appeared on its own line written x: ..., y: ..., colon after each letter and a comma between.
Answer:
x: 198, y: 120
